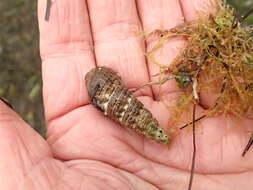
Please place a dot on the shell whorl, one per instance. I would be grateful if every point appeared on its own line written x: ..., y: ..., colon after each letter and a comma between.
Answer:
x: 107, y: 93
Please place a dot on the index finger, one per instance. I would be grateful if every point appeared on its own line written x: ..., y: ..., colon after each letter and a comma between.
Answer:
x: 67, y: 54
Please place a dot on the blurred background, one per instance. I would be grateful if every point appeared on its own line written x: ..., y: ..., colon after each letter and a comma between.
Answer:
x: 20, y: 70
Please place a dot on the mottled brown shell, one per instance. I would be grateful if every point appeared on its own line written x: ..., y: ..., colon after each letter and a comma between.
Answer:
x: 108, y: 94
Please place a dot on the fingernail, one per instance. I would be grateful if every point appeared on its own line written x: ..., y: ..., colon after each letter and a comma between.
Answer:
x: 6, y: 102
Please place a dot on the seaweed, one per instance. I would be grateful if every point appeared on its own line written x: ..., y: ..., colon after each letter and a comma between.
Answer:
x: 218, y: 56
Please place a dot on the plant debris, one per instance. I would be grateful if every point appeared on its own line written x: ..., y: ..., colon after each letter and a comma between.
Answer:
x: 48, y: 9
x: 218, y: 55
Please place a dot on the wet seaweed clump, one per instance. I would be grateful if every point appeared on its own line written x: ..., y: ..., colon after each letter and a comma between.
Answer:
x: 218, y: 59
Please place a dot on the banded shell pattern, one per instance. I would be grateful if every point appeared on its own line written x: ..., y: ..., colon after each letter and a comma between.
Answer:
x: 107, y: 93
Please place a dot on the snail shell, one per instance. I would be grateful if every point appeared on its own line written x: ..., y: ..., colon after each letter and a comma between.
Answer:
x: 107, y: 93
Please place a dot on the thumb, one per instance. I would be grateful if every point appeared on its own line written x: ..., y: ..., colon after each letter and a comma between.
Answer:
x: 22, y: 150
x: 26, y: 162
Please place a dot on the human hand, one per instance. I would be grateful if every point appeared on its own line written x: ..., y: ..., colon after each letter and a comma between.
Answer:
x: 86, y: 150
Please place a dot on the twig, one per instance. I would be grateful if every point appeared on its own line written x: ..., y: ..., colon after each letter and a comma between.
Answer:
x: 194, y: 147
x: 203, y: 116
x: 48, y: 8
x: 240, y: 19
x: 249, y: 12
x: 162, y: 81
x: 250, y: 142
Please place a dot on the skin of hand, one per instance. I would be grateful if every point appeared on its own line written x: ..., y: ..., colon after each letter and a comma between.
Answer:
x: 86, y: 150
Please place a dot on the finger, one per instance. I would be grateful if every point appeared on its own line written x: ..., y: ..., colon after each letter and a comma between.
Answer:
x: 162, y: 14
x: 66, y: 52
x: 115, y: 27
x: 192, y: 10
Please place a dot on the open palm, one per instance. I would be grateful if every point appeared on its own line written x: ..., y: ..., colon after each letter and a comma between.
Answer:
x: 86, y: 150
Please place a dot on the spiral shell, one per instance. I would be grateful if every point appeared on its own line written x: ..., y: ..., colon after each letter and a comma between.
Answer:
x: 108, y: 94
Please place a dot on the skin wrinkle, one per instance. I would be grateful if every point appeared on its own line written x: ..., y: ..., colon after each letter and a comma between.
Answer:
x: 66, y: 184
x: 71, y: 42
x: 61, y: 178
x: 181, y: 8
x: 222, y: 148
x: 135, y: 171
x: 81, y: 82
x: 149, y: 181
x: 7, y: 119
x: 117, y: 16
x: 62, y: 175
x: 37, y: 167
x: 71, y: 169
x: 81, y: 183
x: 52, y: 119
x: 71, y: 47
x: 121, y: 36
x: 145, y: 149
x: 124, y: 55
x: 165, y: 22
x: 120, y: 22
x: 122, y: 165
x: 152, y: 168
x: 104, y: 179
x: 138, y: 14
x: 27, y: 154
x: 65, y: 16
x: 57, y: 17
x: 217, y: 179
x: 48, y: 121
x: 91, y: 34
x: 118, y: 170
x: 97, y: 177
x: 125, y: 178
x: 209, y: 177
x: 47, y: 178
x: 143, y: 179
x: 162, y: 181
x: 21, y: 158
x: 180, y: 143
x: 129, y: 182
x: 139, y: 170
x: 142, y: 155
